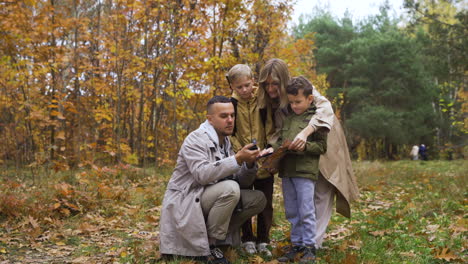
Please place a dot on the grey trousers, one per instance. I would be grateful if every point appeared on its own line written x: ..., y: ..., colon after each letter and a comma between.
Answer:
x: 218, y: 202
x: 324, y: 199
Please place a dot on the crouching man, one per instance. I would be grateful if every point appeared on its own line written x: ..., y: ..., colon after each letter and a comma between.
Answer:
x: 204, y: 201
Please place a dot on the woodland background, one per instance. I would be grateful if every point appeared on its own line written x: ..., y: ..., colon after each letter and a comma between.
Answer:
x: 96, y: 97
x: 100, y: 81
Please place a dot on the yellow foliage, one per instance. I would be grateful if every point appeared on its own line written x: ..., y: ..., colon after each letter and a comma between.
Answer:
x: 131, y: 159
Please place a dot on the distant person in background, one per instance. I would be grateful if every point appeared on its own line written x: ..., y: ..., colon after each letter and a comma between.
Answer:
x: 336, y: 177
x: 422, y: 152
x: 414, y: 152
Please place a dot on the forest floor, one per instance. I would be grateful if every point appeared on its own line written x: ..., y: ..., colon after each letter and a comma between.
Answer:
x: 407, y: 212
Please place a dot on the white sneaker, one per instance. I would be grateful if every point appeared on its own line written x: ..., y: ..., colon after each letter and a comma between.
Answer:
x: 249, y: 247
x: 262, y: 249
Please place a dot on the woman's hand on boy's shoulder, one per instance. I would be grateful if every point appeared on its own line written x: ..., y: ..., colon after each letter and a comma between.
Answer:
x: 300, y: 141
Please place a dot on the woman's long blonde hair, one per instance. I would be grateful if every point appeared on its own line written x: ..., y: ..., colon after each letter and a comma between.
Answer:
x: 278, y: 70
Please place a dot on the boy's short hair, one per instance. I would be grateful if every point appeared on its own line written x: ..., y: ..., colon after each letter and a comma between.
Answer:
x: 299, y: 83
x: 216, y: 99
x: 237, y: 71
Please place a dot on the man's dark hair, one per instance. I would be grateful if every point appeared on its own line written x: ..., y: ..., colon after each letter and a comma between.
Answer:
x: 216, y: 99
x: 299, y: 83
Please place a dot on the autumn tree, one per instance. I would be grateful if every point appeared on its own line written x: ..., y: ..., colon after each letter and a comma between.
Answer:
x: 383, y: 98
x: 97, y: 82
x: 442, y: 27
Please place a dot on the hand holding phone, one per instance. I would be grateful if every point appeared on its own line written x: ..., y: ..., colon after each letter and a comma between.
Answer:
x: 248, y: 153
x: 254, y: 147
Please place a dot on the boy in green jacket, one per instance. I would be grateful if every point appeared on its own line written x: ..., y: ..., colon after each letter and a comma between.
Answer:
x: 299, y: 171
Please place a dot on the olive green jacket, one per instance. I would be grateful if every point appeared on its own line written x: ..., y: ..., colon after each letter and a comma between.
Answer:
x: 303, y: 164
x: 250, y: 124
x: 335, y: 165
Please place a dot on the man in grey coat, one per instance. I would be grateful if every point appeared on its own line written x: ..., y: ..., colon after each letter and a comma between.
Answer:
x: 204, y: 201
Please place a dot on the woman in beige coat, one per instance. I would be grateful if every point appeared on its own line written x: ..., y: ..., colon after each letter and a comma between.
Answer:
x: 337, y: 177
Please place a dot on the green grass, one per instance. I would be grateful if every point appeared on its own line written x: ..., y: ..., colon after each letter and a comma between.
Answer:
x: 407, y: 212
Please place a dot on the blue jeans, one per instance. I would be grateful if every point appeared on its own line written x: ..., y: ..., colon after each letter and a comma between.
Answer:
x: 298, y: 194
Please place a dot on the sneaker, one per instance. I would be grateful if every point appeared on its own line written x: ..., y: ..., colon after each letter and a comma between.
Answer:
x: 291, y: 254
x: 216, y: 257
x: 262, y: 249
x: 249, y: 247
x: 309, y: 255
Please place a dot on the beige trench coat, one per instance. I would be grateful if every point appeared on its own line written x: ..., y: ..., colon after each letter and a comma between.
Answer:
x: 199, y: 163
x: 335, y: 164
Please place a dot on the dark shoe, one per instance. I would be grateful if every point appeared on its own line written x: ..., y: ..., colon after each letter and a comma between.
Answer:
x: 308, y: 256
x: 291, y: 254
x: 216, y: 257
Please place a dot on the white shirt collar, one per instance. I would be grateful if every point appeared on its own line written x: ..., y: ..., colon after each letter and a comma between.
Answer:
x: 212, y: 133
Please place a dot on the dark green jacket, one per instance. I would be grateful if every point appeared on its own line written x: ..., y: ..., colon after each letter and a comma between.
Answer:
x: 301, y: 164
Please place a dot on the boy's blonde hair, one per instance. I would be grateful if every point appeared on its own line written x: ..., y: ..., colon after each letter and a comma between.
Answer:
x: 237, y: 71
x: 278, y: 71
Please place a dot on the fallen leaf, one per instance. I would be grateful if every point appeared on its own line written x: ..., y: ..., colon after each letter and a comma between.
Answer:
x: 65, y: 211
x: 375, y: 207
x: 188, y: 262
x: 410, y: 254
x: 343, y: 246
x: 61, y: 135
x: 459, y: 226
x: 256, y: 260
x: 432, y: 228
x: 231, y: 254
x: 86, y: 228
x: 33, y: 222
x: 445, y: 254
x: 350, y: 259
x: 154, y: 209
x: 82, y: 259
x: 152, y: 218
x: 409, y: 206
x: 355, y: 244
x: 378, y: 233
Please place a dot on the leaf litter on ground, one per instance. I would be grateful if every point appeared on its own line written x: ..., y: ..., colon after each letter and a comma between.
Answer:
x: 407, y: 211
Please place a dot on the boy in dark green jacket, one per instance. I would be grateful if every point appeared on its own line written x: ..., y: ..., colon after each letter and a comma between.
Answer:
x: 299, y: 171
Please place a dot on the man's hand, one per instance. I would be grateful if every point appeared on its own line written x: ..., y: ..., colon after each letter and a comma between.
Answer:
x: 246, y: 155
x: 300, y: 140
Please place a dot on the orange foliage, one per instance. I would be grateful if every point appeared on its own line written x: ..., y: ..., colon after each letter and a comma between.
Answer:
x: 99, y: 83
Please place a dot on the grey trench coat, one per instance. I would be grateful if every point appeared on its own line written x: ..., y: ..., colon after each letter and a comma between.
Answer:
x: 199, y: 163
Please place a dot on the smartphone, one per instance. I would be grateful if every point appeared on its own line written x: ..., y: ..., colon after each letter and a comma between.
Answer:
x: 254, y: 147
x: 266, y: 155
